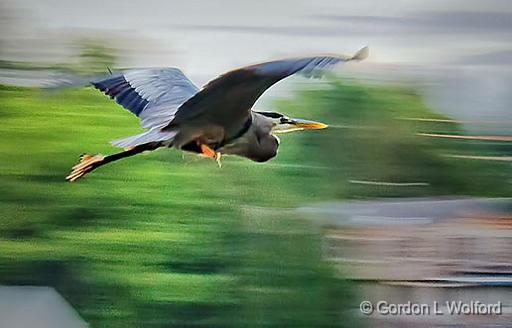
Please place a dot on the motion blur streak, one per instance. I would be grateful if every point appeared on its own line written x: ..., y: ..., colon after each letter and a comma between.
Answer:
x: 405, y: 195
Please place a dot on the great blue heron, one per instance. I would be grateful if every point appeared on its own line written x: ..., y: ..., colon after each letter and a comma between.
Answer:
x: 217, y: 119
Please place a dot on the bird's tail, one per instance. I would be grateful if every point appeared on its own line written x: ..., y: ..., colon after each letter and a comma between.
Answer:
x: 144, y: 138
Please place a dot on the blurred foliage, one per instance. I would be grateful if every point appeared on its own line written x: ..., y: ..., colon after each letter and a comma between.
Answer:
x: 163, y: 239
x: 374, y: 136
x: 157, y: 240
x: 90, y: 56
x: 95, y: 56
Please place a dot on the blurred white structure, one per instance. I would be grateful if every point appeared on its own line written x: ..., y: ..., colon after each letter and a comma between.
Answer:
x: 423, y: 250
x: 441, y: 240
x: 41, y: 307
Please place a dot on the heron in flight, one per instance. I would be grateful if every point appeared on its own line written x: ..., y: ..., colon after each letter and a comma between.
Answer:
x: 217, y: 119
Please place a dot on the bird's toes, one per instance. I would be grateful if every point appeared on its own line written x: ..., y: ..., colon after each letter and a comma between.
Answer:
x: 86, y: 160
x: 85, y: 165
x: 217, y: 159
x: 74, y: 175
x: 85, y: 157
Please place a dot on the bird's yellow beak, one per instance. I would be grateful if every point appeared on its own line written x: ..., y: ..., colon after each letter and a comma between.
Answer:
x: 296, y: 124
x: 304, y: 124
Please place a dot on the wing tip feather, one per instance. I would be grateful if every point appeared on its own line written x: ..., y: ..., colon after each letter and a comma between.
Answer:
x: 361, y: 54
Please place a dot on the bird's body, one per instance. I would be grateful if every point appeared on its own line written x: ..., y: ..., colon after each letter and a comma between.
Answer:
x: 217, y: 119
x: 258, y: 143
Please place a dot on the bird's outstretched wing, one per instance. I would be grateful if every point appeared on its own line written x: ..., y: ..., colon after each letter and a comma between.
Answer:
x: 229, y: 97
x: 153, y: 95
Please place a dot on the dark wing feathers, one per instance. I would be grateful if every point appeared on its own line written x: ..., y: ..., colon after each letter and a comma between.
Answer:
x: 228, y: 99
x: 154, y: 95
x: 166, y: 97
x: 287, y: 67
x: 308, y: 66
x: 116, y: 87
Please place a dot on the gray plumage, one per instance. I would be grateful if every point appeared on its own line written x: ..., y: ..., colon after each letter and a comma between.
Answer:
x: 215, y: 119
x: 258, y: 143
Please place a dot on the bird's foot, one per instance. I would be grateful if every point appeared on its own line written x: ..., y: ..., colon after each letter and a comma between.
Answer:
x: 208, y: 152
x: 87, y: 164
x: 217, y: 159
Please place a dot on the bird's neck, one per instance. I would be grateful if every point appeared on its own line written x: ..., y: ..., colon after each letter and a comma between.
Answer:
x: 240, y: 133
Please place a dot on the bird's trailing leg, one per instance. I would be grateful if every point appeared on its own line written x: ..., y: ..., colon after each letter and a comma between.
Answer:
x: 208, y: 152
x: 91, y: 162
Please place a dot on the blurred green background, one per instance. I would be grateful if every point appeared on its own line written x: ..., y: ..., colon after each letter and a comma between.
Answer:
x: 165, y: 239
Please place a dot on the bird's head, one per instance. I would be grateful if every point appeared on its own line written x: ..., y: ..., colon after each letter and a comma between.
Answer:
x: 283, y: 123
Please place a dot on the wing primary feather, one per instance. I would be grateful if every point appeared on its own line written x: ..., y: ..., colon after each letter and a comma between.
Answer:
x: 154, y: 95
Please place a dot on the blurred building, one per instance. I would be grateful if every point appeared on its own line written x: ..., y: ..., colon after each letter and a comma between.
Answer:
x: 42, y: 307
x: 423, y: 250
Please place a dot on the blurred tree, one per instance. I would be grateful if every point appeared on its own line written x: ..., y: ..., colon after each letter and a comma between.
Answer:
x: 156, y: 241
x: 95, y: 56
x: 374, y: 149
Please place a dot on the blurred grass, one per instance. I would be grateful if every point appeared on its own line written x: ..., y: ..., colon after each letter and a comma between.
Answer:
x: 159, y: 240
